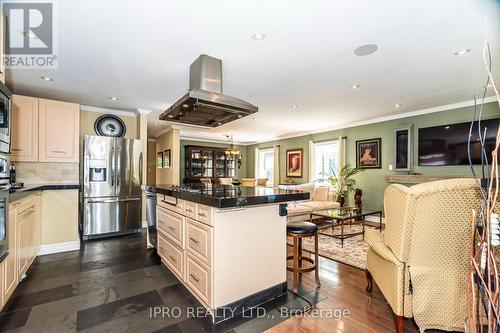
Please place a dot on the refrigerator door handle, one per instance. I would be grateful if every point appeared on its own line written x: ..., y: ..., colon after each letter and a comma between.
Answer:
x: 103, y: 201
x: 129, y: 199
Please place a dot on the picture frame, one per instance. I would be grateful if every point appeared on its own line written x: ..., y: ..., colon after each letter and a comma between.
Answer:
x: 403, y: 151
x: 294, y: 163
x: 369, y: 154
x: 159, y: 160
x: 167, y: 158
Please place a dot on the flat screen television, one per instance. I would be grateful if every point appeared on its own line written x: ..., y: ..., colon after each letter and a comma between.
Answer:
x: 447, y: 144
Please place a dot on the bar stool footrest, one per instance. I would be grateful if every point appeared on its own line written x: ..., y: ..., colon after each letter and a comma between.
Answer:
x: 300, y: 269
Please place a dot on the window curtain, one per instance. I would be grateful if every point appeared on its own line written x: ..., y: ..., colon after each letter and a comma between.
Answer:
x: 342, y: 151
x: 311, y: 161
x: 276, y: 166
x: 256, y: 164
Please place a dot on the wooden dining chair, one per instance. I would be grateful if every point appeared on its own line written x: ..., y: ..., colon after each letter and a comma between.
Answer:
x: 262, y: 181
x: 226, y: 181
x: 205, y: 180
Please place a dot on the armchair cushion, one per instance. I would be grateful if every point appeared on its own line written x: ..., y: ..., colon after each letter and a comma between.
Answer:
x: 321, y: 193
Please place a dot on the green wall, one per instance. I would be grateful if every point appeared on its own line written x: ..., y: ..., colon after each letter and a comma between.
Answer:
x: 242, y: 173
x: 372, y: 181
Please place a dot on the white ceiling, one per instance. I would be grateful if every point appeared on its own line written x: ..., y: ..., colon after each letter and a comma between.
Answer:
x: 141, y: 52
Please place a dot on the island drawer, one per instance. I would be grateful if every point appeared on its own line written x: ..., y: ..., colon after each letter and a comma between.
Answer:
x: 199, y: 241
x: 204, y: 214
x: 199, y: 279
x: 171, y: 224
x: 171, y: 203
x: 190, y: 209
x: 174, y: 257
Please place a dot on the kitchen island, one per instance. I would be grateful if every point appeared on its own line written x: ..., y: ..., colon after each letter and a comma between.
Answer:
x: 227, y: 244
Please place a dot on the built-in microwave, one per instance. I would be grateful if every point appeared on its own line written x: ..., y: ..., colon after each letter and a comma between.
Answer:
x: 5, y: 118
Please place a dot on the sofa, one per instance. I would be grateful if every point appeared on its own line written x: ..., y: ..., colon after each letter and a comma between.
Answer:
x: 322, y: 198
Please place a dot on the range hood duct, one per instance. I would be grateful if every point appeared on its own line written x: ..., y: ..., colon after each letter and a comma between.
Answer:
x: 204, y: 104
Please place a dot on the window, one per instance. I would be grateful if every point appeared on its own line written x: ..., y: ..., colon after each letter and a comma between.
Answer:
x: 324, y: 160
x: 265, y: 164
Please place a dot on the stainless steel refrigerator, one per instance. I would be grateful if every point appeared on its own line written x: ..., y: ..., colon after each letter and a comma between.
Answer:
x: 112, y: 178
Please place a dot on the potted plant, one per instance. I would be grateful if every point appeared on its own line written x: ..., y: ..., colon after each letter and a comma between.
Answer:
x: 344, y: 183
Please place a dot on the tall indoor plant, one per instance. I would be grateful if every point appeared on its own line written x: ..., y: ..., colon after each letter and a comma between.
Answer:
x: 343, y: 183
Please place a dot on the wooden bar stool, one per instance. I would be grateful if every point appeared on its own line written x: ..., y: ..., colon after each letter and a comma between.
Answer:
x: 299, y: 230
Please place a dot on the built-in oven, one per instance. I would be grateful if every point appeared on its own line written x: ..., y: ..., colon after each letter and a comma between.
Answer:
x: 5, y: 118
x: 4, y: 205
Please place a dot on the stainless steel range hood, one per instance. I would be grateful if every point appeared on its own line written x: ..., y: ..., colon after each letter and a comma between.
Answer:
x: 204, y: 104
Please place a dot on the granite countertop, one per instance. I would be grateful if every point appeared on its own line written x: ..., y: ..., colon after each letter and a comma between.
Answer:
x: 227, y: 196
x: 16, y: 194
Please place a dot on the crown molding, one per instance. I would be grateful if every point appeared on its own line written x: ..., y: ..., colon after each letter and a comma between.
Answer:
x: 108, y: 111
x: 408, y: 114
x: 143, y: 111
x: 183, y: 137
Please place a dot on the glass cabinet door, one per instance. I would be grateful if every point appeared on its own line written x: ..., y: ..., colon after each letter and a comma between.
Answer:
x: 220, y: 164
x: 201, y: 163
x: 231, y: 165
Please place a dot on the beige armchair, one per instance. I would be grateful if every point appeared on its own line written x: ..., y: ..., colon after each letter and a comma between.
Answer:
x: 420, y: 262
x: 226, y: 181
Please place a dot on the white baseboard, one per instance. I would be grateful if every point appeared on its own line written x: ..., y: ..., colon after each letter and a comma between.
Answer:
x: 59, y: 247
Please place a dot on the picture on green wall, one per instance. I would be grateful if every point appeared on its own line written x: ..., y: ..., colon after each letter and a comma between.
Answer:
x: 369, y: 154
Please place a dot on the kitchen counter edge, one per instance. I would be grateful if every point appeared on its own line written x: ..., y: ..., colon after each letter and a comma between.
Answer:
x: 16, y: 194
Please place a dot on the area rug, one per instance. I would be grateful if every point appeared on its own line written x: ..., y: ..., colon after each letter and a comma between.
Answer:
x: 353, y: 253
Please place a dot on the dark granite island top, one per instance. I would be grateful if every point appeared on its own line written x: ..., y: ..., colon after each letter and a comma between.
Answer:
x: 228, y: 196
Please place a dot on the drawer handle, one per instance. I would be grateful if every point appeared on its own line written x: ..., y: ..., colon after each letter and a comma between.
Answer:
x: 189, y: 210
x: 171, y: 228
x: 59, y: 151
x: 16, y: 149
x: 170, y: 203
x: 197, y: 279
x: 194, y: 240
x: 162, y: 249
x: 173, y: 259
x: 202, y: 214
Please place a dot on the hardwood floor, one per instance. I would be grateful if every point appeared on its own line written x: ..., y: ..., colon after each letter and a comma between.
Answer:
x: 345, y: 288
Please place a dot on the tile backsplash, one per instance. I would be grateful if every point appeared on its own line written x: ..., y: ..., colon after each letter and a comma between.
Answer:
x: 38, y: 173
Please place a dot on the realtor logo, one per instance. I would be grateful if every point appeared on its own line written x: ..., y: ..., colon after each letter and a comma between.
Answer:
x: 29, y: 37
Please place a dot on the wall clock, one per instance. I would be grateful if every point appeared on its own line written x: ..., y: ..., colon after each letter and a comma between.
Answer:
x: 110, y: 125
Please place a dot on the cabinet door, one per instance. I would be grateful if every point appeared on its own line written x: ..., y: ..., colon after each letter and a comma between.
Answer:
x: 24, y: 128
x: 10, y: 272
x: 59, y: 131
x: 3, y: 297
x: 37, y: 223
x: 23, y: 242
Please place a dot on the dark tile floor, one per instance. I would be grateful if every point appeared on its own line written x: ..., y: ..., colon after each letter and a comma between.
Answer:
x: 114, y: 285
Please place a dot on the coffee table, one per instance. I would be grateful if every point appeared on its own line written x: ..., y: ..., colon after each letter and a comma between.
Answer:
x: 341, y: 216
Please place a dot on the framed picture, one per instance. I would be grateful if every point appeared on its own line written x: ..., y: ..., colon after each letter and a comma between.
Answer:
x: 403, y: 149
x: 159, y: 160
x: 369, y: 154
x: 166, y: 158
x: 294, y: 163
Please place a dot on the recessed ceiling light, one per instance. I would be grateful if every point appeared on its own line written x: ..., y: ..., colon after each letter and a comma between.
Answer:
x: 397, y: 105
x: 239, y: 116
x: 219, y: 124
x: 365, y: 50
x: 294, y: 106
x: 447, y: 127
x: 462, y: 52
x: 114, y: 98
x: 46, y: 78
x: 355, y: 86
x: 185, y: 105
x: 170, y: 116
x: 259, y: 36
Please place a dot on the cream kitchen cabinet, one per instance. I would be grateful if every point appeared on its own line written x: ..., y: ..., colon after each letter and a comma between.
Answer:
x: 59, y: 126
x: 24, y: 129
x: 10, y: 276
x: 45, y: 130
